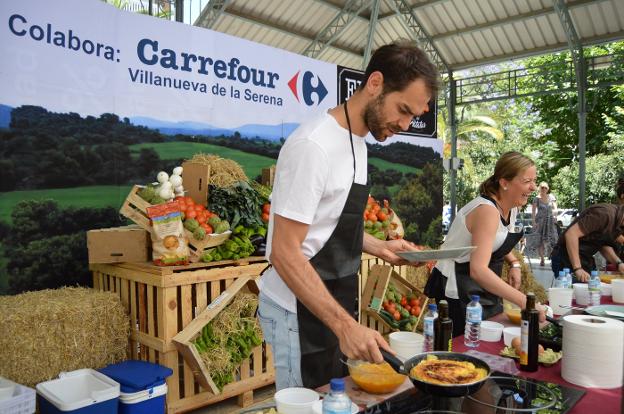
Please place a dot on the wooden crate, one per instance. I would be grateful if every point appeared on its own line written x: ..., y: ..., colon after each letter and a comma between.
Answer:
x: 378, y: 276
x: 135, y: 208
x: 161, y: 302
x: 184, y: 340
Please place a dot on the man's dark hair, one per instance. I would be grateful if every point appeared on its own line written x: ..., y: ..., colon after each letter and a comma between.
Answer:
x: 400, y: 64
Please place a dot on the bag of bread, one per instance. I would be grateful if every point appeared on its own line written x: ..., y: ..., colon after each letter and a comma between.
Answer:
x: 169, y: 243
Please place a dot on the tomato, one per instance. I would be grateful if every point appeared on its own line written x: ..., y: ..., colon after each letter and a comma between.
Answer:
x: 416, y: 310
x: 382, y: 216
x: 266, y: 208
x: 200, y: 207
x: 189, y: 201
x: 200, y: 218
x: 372, y: 217
x: 397, y: 315
x: 207, y: 227
x: 407, y: 308
x: 191, y: 213
x: 179, y: 198
x: 403, y: 301
x: 414, y: 302
x: 391, y: 308
x: 265, y: 217
x: 182, y: 205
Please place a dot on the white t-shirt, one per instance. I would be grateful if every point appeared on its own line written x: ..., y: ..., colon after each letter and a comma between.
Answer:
x: 313, y: 177
x: 459, y: 236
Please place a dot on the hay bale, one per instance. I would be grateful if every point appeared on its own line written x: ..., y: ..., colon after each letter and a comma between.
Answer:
x: 418, y: 276
x: 50, y: 331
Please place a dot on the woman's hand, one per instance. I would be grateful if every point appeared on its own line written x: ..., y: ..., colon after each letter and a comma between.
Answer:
x: 515, y: 277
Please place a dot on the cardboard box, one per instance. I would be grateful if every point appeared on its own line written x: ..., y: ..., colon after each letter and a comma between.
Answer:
x: 195, y: 179
x: 118, y: 244
x: 268, y: 176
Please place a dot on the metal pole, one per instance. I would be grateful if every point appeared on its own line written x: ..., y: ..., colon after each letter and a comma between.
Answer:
x: 582, y: 117
x: 179, y: 10
x: 150, y: 7
x: 453, y: 123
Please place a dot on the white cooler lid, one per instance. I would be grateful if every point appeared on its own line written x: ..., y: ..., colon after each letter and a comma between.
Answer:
x: 78, y: 389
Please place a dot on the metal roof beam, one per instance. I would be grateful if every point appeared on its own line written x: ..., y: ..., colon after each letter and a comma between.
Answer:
x: 285, y: 29
x: 610, y: 37
x: 418, y: 33
x: 210, y: 13
x: 511, y: 19
x: 335, y: 27
x: 415, y: 7
x: 372, y: 27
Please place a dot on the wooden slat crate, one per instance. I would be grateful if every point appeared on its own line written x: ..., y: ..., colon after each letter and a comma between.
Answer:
x: 369, y: 275
x: 184, y: 340
x: 135, y: 208
x: 161, y: 302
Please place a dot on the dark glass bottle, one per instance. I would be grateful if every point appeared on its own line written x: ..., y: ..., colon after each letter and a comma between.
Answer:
x: 443, y: 329
x: 529, y: 332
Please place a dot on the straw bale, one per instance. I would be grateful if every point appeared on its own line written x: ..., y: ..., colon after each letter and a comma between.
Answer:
x: 50, y: 331
x: 223, y: 172
x: 418, y: 277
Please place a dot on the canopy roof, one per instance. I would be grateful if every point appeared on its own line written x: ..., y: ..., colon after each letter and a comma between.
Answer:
x: 459, y: 33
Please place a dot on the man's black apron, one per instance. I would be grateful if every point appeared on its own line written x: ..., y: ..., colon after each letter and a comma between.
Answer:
x: 337, y: 263
x: 466, y: 286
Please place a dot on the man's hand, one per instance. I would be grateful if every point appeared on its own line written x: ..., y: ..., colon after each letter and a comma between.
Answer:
x: 542, y: 312
x: 386, y: 250
x: 515, y: 277
x: 581, y: 275
x: 362, y: 343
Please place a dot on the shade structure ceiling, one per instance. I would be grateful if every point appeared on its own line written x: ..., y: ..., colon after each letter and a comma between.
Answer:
x: 463, y: 33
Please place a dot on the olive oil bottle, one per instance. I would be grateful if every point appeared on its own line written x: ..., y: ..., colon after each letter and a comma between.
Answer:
x: 443, y: 329
x: 529, y: 332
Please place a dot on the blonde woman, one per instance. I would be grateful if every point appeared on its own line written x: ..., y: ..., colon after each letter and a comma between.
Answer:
x: 488, y: 223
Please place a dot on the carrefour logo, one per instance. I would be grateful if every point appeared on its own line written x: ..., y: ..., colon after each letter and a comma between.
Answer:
x: 310, y: 85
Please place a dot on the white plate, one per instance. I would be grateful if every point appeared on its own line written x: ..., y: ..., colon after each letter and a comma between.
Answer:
x: 425, y: 255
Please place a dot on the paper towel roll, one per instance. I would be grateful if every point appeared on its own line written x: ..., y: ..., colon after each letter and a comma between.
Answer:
x: 593, y: 351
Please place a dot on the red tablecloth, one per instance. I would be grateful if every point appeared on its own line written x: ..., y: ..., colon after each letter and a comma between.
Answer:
x: 595, y: 400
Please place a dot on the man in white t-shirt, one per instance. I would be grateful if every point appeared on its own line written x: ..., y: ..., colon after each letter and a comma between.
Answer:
x: 316, y: 236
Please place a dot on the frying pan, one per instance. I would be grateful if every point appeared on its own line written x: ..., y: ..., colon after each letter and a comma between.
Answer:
x: 451, y: 390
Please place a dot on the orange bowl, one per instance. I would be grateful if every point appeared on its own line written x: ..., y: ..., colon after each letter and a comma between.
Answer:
x: 512, y: 311
x: 375, y: 378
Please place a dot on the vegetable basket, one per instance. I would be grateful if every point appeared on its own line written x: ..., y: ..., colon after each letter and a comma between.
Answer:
x: 187, y: 341
x: 384, y: 284
x: 135, y: 208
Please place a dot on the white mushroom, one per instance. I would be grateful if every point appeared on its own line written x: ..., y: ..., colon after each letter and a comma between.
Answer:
x: 162, y: 177
x: 175, y: 180
x: 177, y: 171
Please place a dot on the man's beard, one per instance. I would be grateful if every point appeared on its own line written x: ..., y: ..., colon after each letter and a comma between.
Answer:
x: 373, y: 119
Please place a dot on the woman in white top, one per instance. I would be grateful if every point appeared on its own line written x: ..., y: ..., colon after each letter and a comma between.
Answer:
x: 486, y: 222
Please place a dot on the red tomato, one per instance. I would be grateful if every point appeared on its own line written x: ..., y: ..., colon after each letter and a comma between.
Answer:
x: 189, y: 201
x: 200, y: 207
x: 265, y: 217
x: 415, y: 311
x: 403, y: 301
x: 182, y: 205
x: 397, y: 315
x: 407, y: 308
x: 206, y: 227
x: 414, y: 302
x: 266, y: 208
x: 191, y: 213
x: 200, y: 218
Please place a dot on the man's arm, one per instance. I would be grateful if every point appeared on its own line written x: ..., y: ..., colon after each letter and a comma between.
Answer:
x: 572, y: 236
x: 356, y: 341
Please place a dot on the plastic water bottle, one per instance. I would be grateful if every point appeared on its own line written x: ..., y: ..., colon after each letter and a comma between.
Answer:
x: 561, y: 280
x: 474, y: 313
x: 568, y: 278
x: 337, y: 401
x: 429, y: 320
x: 594, y: 288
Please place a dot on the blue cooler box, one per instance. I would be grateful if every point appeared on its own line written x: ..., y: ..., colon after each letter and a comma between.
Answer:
x: 84, y: 391
x: 143, y: 388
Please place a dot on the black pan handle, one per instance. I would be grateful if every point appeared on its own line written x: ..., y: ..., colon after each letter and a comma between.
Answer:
x: 553, y: 320
x: 394, y: 362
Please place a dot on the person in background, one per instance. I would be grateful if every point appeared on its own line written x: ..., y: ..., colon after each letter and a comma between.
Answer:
x: 597, y: 228
x: 307, y: 301
x: 619, y: 193
x: 544, y: 229
x: 486, y: 222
